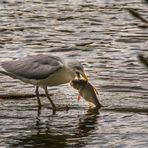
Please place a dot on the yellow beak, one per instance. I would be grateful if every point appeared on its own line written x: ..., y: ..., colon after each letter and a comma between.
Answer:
x: 84, y: 76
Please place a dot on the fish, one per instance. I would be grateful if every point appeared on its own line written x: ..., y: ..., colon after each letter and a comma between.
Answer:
x: 87, y: 92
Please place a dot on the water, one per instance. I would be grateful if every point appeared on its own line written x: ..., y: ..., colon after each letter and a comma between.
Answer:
x: 107, y: 40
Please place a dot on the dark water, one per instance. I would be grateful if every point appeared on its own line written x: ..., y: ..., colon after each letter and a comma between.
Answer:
x: 107, y: 40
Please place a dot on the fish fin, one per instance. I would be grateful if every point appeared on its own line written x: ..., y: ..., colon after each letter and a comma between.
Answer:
x: 79, y: 97
x: 95, y: 90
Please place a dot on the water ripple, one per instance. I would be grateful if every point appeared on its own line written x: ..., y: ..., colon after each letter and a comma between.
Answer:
x: 106, y: 39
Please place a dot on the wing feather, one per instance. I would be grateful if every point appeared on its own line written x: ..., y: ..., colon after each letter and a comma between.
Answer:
x: 34, y: 67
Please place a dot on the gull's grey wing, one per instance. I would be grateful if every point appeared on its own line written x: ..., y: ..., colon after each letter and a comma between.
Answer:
x: 34, y: 67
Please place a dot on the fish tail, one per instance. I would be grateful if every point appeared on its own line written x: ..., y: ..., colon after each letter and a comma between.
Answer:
x: 97, y: 103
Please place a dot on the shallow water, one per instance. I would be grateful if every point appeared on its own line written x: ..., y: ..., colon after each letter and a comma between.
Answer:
x: 107, y: 40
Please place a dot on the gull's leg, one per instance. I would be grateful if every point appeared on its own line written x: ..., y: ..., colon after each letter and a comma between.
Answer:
x: 37, y: 94
x: 47, y: 95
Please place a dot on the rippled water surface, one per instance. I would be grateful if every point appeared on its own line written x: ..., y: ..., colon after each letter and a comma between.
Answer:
x: 106, y: 39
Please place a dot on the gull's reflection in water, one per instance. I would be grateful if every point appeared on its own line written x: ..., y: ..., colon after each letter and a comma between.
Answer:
x: 48, y: 135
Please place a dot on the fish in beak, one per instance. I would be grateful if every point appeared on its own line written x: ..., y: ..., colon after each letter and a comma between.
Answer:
x: 86, y: 91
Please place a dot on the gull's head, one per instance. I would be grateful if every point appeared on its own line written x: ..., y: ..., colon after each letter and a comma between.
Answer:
x: 77, y: 68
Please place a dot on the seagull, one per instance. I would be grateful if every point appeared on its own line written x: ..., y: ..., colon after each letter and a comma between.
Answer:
x: 43, y: 70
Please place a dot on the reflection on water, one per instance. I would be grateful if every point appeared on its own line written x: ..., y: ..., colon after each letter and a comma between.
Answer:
x: 45, y: 137
x: 107, y: 40
x: 82, y: 129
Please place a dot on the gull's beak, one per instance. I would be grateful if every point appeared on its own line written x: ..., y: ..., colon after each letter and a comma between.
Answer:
x: 78, y: 75
x: 84, y: 76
